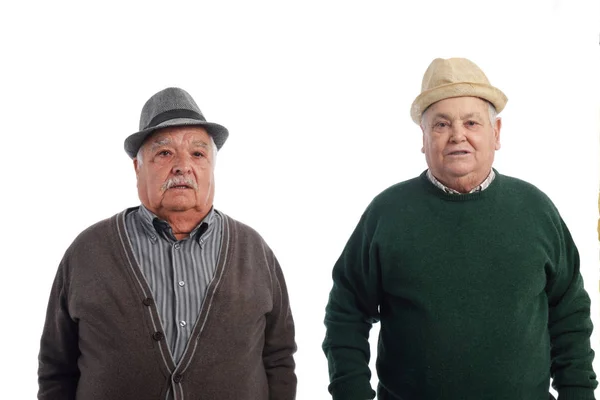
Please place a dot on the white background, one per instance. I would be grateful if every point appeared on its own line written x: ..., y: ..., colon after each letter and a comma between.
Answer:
x: 316, y: 96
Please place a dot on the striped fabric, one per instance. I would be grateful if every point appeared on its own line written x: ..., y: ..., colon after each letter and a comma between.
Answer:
x: 490, y: 178
x: 177, y: 271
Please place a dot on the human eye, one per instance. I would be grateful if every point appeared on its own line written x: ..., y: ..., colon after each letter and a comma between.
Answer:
x: 163, y: 153
x: 471, y: 123
x: 198, y: 154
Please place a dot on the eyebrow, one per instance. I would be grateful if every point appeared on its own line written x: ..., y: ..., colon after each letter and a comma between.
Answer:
x: 471, y: 115
x: 166, y: 141
x: 160, y: 142
x: 441, y: 115
x: 200, y: 143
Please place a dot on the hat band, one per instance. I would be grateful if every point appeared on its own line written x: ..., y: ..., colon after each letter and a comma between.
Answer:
x: 173, y: 114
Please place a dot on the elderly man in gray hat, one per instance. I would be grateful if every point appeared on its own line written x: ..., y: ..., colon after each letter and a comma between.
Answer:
x: 473, y: 274
x: 171, y: 299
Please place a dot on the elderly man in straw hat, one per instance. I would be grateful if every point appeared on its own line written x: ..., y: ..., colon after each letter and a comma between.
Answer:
x: 473, y: 274
x: 171, y: 299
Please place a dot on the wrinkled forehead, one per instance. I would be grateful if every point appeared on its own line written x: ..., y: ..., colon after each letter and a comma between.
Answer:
x: 193, y: 136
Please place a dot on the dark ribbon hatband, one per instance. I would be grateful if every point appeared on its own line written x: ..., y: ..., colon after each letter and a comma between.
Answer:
x: 173, y: 114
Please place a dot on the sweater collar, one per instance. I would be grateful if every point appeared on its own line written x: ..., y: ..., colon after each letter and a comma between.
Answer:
x: 482, y: 186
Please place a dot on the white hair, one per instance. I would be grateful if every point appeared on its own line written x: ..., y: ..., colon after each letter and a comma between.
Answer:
x: 213, y: 148
x: 491, y: 111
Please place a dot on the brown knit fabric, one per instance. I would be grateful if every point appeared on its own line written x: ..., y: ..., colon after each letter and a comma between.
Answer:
x: 103, y: 339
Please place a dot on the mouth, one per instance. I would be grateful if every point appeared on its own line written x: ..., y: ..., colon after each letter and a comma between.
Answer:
x: 458, y: 153
x: 179, y: 187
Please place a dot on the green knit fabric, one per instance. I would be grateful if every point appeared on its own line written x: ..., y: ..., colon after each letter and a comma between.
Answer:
x: 479, y: 297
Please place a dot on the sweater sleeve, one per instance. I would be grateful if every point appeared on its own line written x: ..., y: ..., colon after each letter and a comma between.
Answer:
x: 58, y: 372
x: 349, y: 315
x: 570, y: 325
x: 280, y: 344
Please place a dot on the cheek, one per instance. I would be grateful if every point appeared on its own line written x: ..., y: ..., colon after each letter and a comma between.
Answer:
x: 204, y: 173
x: 483, y: 141
x: 488, y: 145
x: 435, y: 148
x: 206, y: 181
x: 155, y: 184
x: 151, y: 181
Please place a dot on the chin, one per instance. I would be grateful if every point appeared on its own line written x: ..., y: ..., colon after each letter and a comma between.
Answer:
x: 178, y: 206
x: 458, y: 171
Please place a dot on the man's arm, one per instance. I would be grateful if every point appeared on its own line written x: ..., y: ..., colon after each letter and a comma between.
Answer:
x: 570, y: 326
x: 280, y: 345
x: 351, y: 311
x: 58, y: 373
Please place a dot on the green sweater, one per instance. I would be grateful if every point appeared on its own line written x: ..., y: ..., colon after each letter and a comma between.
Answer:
x: 479, y: 297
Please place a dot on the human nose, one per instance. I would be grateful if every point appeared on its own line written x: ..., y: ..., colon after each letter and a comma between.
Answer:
x: 181, y: 165
x: 457, y: 134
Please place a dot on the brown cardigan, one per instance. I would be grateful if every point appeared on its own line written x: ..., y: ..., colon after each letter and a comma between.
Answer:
x: 103, y: 338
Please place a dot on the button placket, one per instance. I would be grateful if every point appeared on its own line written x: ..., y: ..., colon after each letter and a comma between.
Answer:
x: 148, y: 301
x: 179, y: 276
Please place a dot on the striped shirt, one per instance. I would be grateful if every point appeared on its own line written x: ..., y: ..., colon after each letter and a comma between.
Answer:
x: 487, y: 181
x: 177, y: 271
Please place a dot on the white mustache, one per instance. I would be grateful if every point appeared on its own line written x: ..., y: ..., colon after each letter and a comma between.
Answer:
x: 178, y: 181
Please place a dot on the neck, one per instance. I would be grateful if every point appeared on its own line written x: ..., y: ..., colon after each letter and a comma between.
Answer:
x: 183, y: 222
x: 463, y: 184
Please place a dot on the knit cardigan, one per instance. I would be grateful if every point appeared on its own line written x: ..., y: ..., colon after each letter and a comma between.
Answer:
x: 103, y: 337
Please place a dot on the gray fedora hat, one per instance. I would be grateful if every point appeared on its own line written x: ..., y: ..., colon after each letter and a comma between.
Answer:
x: 172, y: 107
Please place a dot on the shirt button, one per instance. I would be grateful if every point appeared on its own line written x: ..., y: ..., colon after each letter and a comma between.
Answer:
x: 181, y: 283
x: 176, y: 246
x: 147, y: 301
x: 182, y: 323
x: 158, y: 336
x: 177, y: 378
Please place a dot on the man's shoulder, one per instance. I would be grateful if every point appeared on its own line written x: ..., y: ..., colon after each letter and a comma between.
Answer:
x: 400, y: 192
x: 99, y: 232
x: 524, y: 191
x: 240, y: 228
x: 512, y: 181
x: 244, y: 237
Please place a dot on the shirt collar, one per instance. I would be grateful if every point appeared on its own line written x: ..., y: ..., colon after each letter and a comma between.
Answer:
x: 482, y: 186
x: 162, y: 227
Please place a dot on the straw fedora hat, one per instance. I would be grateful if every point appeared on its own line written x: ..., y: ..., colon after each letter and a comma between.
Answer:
x: 454, y: 77
x: 172, y: 107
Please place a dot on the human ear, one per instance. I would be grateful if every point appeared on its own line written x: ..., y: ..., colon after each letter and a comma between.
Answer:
x: 136, y: 166
x: 497, y: 127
